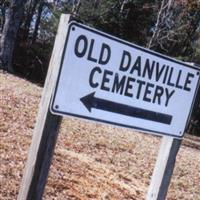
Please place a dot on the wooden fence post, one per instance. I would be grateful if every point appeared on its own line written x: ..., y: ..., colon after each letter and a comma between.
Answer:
x: 163, y: 169
x: 46, y: 128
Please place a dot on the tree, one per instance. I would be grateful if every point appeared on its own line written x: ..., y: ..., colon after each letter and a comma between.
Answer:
x: 76, y: 6
x: 3, y: 7
x: 176, y: 28
x: 177, y: 34
x: 38, y: 19
x: 163, y: 24
x: 9, y: 33
x: 30, y: 10
x: 128, y: 19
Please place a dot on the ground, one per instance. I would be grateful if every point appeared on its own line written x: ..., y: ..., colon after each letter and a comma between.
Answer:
x: 91, y: 160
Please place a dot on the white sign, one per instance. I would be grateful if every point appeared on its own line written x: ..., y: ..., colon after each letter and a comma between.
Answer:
x: 110, y: 80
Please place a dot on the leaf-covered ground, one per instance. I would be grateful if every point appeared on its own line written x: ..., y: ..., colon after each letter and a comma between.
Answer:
x: 91, y: 161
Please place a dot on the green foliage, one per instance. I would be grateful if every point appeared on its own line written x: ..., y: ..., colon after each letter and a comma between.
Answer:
x: 133, y: 23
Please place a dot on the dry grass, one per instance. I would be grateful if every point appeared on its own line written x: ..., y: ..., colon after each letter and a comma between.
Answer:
x: 91, y: 161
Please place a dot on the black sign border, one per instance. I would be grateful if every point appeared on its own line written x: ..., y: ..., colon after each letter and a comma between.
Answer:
x: 148, y: 131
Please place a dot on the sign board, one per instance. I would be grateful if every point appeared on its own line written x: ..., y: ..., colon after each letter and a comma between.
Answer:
x: 106, y: 79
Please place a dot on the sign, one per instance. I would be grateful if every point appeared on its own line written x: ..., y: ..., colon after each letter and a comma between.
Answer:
x: 110, y: 80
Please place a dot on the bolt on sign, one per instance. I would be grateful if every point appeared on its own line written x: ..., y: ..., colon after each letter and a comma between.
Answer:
x: 107, y: 79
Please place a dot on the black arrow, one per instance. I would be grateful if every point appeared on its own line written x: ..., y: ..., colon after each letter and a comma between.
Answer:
x: 90, y: 101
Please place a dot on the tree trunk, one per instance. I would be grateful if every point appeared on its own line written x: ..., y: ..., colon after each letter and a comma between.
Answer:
x: 9, y: 34
x: 75, y: 8
x: 163, y: 16
x: 123, y: 3
x: 3, y: 13
x: 31, y: 6
x: 37, y: 23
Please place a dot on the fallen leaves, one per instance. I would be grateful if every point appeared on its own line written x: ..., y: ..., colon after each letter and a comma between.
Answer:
x: 91, y: 161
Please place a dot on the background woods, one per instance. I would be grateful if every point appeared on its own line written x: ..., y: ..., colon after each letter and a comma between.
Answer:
x: 28, y: 28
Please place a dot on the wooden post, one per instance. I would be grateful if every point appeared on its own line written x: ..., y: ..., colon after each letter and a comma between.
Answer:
x: 163, y: 169
x: 46, y: 128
